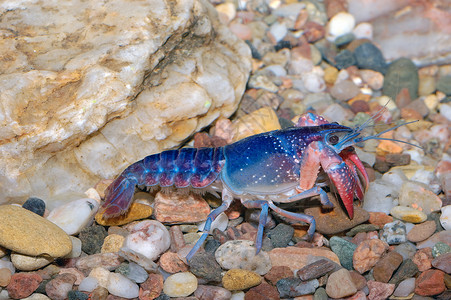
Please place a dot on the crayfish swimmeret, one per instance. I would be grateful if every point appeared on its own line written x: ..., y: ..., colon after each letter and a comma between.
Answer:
x: 261, y: 170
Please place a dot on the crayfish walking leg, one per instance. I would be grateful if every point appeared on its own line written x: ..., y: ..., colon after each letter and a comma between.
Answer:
x: 227, y: 199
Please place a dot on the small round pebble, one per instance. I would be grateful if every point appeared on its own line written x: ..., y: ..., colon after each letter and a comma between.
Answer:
x: 112, y: 243
x: 440, y: 248
x: 29, y: 263
x: 5, y: 276
x: 394, y: 233
x: 133, y: 272
x: 180, y: 285
x: 58, y: 287
x: 340, y: 284
x: 370, y: 57
x: 92, y: 238
x: 76, y: 248
x: 340, y: 24
x: 239, y: 279
x: 35, y: 205
x: 77, y: 295
x: 121, y: 286
x: 22, y: 285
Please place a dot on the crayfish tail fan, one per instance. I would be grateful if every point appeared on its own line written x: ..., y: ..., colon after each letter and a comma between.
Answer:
x: 118, y: 197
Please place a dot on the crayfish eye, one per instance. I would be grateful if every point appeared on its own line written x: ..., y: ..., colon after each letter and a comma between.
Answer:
x: 333, y: 139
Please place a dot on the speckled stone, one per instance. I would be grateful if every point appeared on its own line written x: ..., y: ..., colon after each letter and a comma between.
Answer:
x: 92, y: 238
x: 394, y: 233
x: 18, y: 227
x: 440, y: 248
x: 227, y: 253
x: 281, y: 235
x: 344, y: 250
x: 401, y: 73
x: 430, y: 283
x: 204, y: 265
x: 35, y: 205
x: 239, y: 279
x: 379, y: 290
x: 368, y: 254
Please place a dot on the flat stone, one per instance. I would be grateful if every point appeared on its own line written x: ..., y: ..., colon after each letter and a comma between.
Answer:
x: 176, y: 207
x: 384, y: 268
x: 262, y: 291
x: 336, y: 220
x: 297, y: 258
x: 92, y: 95
x: 29, y: 263
x: 27, y: 233
x: 408, y: 214
x: 401, y: 73
x: 204, y: 265
x: 278, y: 272
x: 152, y: 287
x: 315, y: 270
x: 208, y: 292
x: 137, y: 211
x: 443, y: 262
x: 442, y: 236
x: 422, y: 231
x: 407, y: 269
x: 418, y: 196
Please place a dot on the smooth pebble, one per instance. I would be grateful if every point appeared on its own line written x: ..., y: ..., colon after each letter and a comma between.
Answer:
x: 121, y: 286
x: 445, y: 218
x: 180, y: 285
x: 405, y: 288
x: 76, y: 248
x: 148, y: 238
x: 220, y: 223
x: 340, y: 24
x: 74, y: 216
x: 408, y: 214
x: 29, y: 263
x: 88, y: 284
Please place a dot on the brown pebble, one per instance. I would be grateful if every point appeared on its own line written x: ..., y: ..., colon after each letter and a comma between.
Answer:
x: 359, y: 106
x: 443, y: 262
x: 423, y: 259
x: 263, y: 291
x: 379, y: 219
x: 422, y: 231
x: 397, y: 159
x: 177, y: 240
x: 171, y: 263
x: 359, y: 280
x: 209, y: 292
x: 152, y: 287
x: 180, y: 207
x: 5, y: 276
x: 278, y: 272
x: 315, y: 270
x: 99, y: 293
x: 58, y: 287
x: 384, y: 268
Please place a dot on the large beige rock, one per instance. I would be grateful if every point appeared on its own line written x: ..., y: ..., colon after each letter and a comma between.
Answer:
x: 89, y: 87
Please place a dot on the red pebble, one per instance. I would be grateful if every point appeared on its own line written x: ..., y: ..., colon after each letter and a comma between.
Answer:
x: 430, y: 283
x: 151, y: 288
x: 23, y: 285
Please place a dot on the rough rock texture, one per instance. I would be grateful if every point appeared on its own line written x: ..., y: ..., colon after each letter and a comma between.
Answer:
x: 90, y: 87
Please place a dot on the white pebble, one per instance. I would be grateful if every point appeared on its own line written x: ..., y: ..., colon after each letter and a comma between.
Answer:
x: 148, y: 238
x: 278, y: 31
x: 5, y: 263
x: 76, y: 248
x: 74, y: 216
x: 121, y: 286
x: 29, y: 263
x: 313, y: 82
x: 340, y: 24
x: 277, y: 70
x: 363, y: 31
x: 220, y: 223
x: 380, y: 197
x: 180, y: 285
x: 88, y: 284
x: 228, y: 9
x: 445, y: 218
x: 395, y: 177
x: 445, y: 110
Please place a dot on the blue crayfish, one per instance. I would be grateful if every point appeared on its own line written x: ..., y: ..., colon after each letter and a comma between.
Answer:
x: 276, y: 166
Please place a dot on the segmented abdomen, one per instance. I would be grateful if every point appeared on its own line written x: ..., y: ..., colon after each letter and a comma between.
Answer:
x: 180, y: 168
